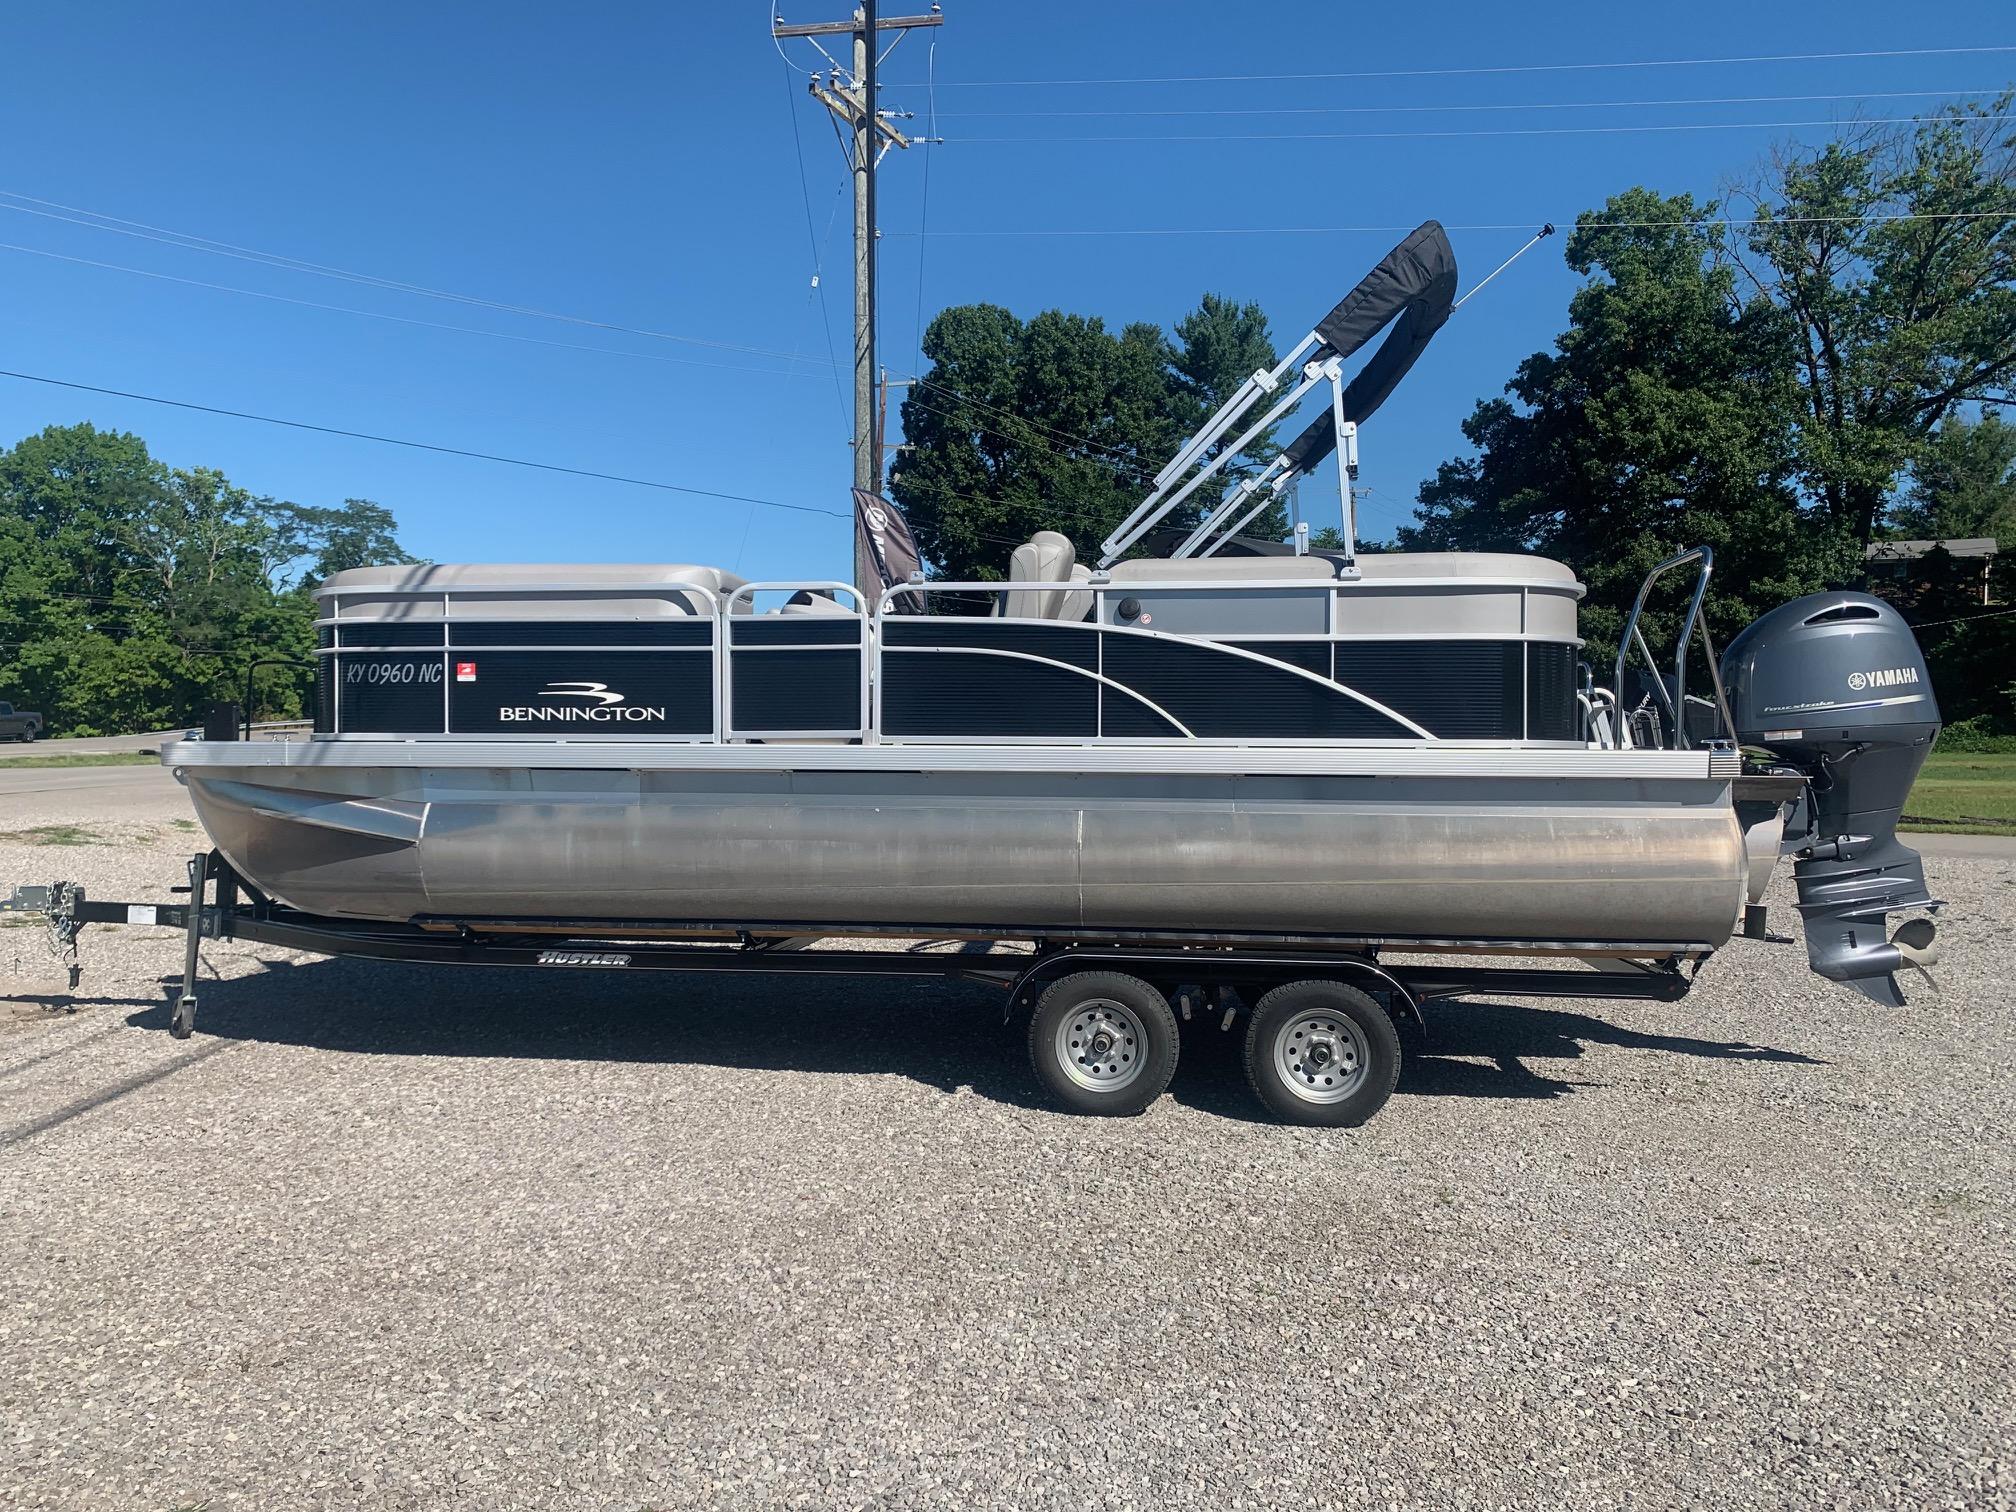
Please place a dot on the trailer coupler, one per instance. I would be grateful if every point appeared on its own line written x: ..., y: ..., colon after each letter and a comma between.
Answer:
x: 65, y: 910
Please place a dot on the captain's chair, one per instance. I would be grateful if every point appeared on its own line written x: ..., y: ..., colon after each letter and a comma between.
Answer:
x: 1046, y: 557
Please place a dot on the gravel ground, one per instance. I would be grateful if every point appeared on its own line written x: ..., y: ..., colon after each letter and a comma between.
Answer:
x: 407, y: 1238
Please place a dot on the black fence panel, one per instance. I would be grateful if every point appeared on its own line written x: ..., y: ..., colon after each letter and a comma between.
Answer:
x: 1216, y: 694
x: 809, y: 689
x: 1552, y: 712
x: 1457, y: 690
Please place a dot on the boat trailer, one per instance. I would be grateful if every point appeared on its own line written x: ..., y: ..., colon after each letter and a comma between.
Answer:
x: 1132, y: 980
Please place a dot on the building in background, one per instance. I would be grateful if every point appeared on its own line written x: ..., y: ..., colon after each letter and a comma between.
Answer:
x: 1904, y: 569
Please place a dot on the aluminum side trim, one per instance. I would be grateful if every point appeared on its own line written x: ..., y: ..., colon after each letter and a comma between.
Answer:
x: 1439, y: 759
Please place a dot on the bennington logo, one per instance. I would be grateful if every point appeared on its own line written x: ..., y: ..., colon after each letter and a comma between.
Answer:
x: 598, y: 706
x: 1888, y: 677
x: 582, y: 958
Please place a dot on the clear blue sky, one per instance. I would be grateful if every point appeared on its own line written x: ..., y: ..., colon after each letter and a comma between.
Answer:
x: 636, y: 165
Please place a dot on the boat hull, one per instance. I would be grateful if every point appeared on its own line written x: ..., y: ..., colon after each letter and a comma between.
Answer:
x: 1474, y: 858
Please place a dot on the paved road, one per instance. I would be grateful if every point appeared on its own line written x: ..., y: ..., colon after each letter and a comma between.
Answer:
x: 81, y: 795
x: 92, y: 745
x: 103, y: 745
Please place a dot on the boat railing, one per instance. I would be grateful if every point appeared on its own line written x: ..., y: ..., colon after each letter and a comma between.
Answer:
x: 1207, y: 659
x: 1670, y: 699
x: 787, y: 676
x: 1181, y: 658
x: 407, y: 663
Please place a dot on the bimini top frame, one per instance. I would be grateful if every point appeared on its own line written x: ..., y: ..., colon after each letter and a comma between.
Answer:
x: 1414, y: 290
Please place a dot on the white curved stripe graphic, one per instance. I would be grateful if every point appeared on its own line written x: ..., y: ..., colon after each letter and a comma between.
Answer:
x: 1046, y: 661
x: 1303, y: 672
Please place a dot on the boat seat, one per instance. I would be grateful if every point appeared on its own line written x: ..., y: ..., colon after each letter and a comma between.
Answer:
x: 1046, y: 557
x: 811, y: 603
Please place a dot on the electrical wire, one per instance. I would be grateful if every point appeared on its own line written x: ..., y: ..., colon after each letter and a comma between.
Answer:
x: 1117, y: 462
x: 1876, y: 218
x: 1964, y: 618
x: 431, y: 325
x: 1502, y: 68
x: 1306, y: 110
x: 426, y: 446
x: 818, y: 257
x: 924, y: 203
x: 1118, y: 453
x: 778, y: 43
x: 1467, y: 132
x: 189, y: 242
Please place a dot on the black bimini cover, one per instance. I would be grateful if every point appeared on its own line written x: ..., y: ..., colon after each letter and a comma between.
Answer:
x: 1415, y: 283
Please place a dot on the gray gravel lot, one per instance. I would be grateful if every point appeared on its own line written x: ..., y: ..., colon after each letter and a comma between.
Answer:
x: 399, y: 1238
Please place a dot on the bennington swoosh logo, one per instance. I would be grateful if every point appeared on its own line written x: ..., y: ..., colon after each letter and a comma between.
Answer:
x: 598, y: 692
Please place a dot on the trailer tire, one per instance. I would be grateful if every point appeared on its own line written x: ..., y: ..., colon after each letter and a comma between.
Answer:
x: 1103, y: 1043
x: 1322, y: 1053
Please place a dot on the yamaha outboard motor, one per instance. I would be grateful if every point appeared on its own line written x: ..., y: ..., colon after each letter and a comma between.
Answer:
x: 1834, y: 684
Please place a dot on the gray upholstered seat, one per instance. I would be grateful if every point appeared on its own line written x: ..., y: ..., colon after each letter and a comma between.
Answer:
x: 1046, y: 557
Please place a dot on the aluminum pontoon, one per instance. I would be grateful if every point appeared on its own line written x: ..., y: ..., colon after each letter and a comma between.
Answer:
x: 1235, y: 763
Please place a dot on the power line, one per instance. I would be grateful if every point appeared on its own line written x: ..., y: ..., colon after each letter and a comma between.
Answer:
x: 427, y: 446
x: 1503, y: 68
x: 189, y: 242
x: 1524, y: 225
x: 1476, y: 131
x: 811, y: 238
x: 431, y: 325
x: 1117, y: 461
x: 1964, y: 618
x: 1118, y: 454
x: 1307, y: 110
x: 924, y: 205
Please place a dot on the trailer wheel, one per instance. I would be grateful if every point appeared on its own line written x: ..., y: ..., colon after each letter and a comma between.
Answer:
x: 1103, y: 1043
x: 1323, y: 1053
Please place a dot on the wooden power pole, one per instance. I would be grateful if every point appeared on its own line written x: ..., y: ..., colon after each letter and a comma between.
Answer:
x: 850, y: 94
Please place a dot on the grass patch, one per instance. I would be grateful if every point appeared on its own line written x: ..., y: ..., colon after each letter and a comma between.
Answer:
x: 1964, y: 794
x: 92, y: 759
x: 54, y: 834
x: 183, y: 824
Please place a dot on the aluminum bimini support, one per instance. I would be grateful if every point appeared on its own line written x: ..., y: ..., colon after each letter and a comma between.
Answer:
x: 1152, y: 510
x: 1412, y: 290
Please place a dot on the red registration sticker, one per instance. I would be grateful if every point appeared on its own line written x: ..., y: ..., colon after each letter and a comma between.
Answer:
x: 465, y: 671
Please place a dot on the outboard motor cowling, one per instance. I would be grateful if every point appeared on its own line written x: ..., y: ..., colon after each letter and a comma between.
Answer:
x: 1835, y: 685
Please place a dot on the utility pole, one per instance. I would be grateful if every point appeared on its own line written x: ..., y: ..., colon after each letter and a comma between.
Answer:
x: 850, y: 94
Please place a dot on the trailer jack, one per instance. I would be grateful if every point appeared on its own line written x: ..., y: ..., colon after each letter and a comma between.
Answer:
x: 182, y: 1018
x: 65, y: 910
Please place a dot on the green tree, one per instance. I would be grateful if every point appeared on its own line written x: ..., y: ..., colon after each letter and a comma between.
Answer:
x: 1963, y: 484
x: 1660, y: 419
x: 1056, y: 423
x: 1891, y: 255
x: 318, y: 542
x: 132, y: 593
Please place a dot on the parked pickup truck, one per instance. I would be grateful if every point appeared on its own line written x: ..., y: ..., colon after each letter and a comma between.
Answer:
x: 19, y: 724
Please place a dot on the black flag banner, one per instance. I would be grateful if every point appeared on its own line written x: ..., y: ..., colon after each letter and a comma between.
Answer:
x: 885, y: 553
